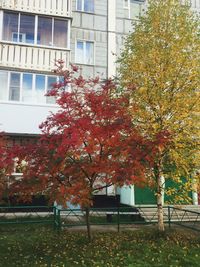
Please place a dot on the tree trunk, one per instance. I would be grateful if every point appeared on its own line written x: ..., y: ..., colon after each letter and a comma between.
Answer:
x: 160, y: 192
x: 87, y: 216
x: 194, y: 192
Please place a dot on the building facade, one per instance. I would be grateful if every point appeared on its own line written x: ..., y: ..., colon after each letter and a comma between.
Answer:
x: 35, y: 33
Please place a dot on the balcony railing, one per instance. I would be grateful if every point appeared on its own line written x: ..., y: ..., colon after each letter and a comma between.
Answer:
x: 48, y: 7
x: 28, y: 57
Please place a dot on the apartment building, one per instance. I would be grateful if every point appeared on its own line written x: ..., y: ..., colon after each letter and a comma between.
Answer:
x: 35, y: 33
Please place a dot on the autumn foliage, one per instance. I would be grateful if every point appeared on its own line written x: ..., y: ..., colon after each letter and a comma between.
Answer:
x: 89, y: 144
x: 6, y: 165
x: 160, y: 66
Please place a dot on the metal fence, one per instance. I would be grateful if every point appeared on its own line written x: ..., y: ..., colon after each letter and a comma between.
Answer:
x: 27, y: 215
x: 185, y: 217
x: 121, y: 216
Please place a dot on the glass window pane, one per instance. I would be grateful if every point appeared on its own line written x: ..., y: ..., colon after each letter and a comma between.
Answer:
x: 89, y: 5
x: 125, y: 3
x: 14, y: 90
x: 44, y: 31
x: 50, y: 81
x: 40, y: 83
x: 89, y: 53
x: 4, y: 85
x: 10, y: 27
x: 79, y: 52
x: 60, y: 33
x: 40, y: 89
x: 27, y: 27
x: 135, y: 10
x: 27, y: 81
x: 15, y: 79
x: 27, y: 87
x: 79, y: 5
x: 15, y: 37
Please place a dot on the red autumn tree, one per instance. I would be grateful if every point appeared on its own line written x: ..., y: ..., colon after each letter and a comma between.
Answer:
x: 89, y: 144
x: 6, y: 166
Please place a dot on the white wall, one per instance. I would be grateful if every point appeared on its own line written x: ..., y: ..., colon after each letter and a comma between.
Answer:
x: 111, y: 38
x: 127, y: 195
x: 21, y: 118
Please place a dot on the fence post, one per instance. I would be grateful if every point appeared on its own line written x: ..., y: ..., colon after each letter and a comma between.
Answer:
x: 59, y: 220
x: 54, y: 218
x: 169, y: 217
x: 118, y: 219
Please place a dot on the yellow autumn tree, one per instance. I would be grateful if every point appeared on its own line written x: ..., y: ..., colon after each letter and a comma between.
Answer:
x: 160, y: 66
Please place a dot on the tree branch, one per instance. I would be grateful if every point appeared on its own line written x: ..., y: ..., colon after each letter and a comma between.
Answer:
x: 102, y: 187
x: 84, y: 172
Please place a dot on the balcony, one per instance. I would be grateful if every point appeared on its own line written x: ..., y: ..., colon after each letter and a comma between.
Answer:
x: 48, y: 7
x: 31, y: 58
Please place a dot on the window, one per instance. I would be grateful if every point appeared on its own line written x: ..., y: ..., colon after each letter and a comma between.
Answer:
x: 14, y: 88
x: 134, y: 8
x: 33, y: 29
x: 18, y: 28
x: 85, y: 5
x: 21, y: 37
x: 126, y: 3
x: 4, y: 85
x: 52, y: 32
x: 39, y: 88
x: 10, y: 26
x: 27, y: 27
x: 85, y: 52
x: 26, y: 87
x: 44, y: 31
x: 60, y: 33
x: 50, y: 81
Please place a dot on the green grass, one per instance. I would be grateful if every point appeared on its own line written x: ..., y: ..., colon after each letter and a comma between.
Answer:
x: 26, y: 219
x: 38, y: 245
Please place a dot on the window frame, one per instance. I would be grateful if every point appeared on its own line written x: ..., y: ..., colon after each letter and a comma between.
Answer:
x: 7, y: 82
x: 35, y: 44
x: 9, y: 86
x: 33, y: 89
x: 24, y: 91
x: 82, y: 7
x: 18, y: 37
x: 128, y: 6
x: 84, y: 52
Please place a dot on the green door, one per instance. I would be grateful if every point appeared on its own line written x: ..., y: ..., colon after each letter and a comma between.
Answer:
x: 169, y: 199
x: 144, y: 196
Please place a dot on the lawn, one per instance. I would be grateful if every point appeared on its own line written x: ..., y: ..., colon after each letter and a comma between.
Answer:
x: 40, y: 246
